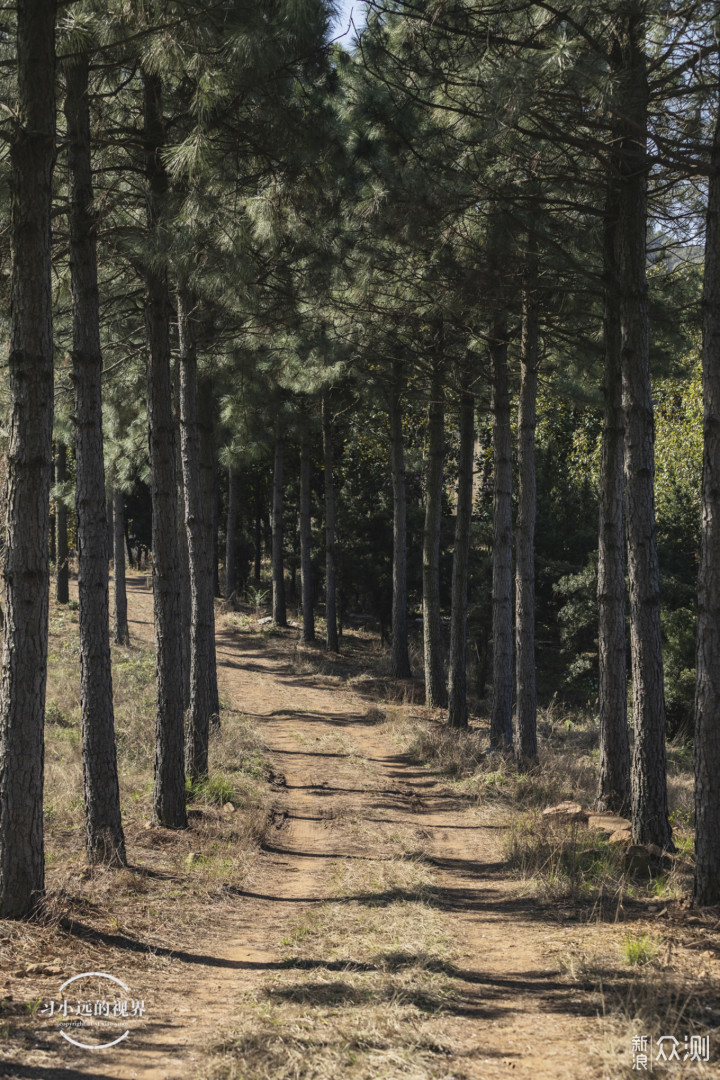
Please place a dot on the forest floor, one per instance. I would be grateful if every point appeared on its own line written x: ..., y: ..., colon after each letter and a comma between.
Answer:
x: 338, y: 908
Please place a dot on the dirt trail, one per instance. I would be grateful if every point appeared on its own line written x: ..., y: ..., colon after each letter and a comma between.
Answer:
x: 514, y: 1014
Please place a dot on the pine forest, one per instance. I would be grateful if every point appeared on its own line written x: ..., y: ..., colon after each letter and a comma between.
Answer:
x: 359, y: 539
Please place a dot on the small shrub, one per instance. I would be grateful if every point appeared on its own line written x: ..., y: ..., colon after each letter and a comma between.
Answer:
x: 639, y: 949
x: 216, y: 789
x: 257, y: 597
x: 54, y: 715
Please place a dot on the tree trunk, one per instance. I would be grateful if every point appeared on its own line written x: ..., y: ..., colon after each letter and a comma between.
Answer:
x: 526, y: 696
x: 649, y: 784
x: 169, y: 796
x: 279, y: 613
x: 183, y: 557
x: 614, y: 786
x: 435, y: 688
x: 53, y: 533
x: 306, y: 583
x: 209, y: 490
x: 501, y: 717
x: 707, y: 697
x: 62, y: 569
x: 215, y: 489
x: 122, y: 630
x: 457, y: 683
x: 104, y: 840
x: 257, y: 567
x: 198, y: 522
x: 330, y: 565
x: 109, y: 520
x: 400, y: 653
x: 231, y: 534
x: 30, y: 365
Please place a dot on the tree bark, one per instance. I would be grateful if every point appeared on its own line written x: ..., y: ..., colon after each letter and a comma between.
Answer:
x: 400, y: 652
x: 183, y: 557
x: 104, y: 839
x: 169, y: 795
x: 231, y: 533
x: 26, y: 568
x: 257, y: 567
x: 215, y: 489
x: 650, y: 823
x: 306, y: 583
x: 330, y: 562
x: 526, y: 695
x: 62, y: 568
x: 198, y: 522
x: 53, y: 534
x: 614, y: 786
x: 501, y: 736
x: 209, y: 490
x: 435, y: 688
x: 122, y: 630
x: 109, y: 520
x: 457, y: 683
x: 707, y: 696
x: 279, y: 609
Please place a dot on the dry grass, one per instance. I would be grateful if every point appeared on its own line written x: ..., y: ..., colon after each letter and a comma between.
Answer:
x: 648, y: 988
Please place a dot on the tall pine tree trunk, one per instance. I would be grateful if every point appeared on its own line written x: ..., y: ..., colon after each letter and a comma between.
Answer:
x: 501, y: 715
x: 231, y: 533
x: 650, y: 822
x: 330, y: 561
x: 30, y: 365
x: 62, y: 568
x: 400, y: 652
x: 198, y: 522
x: 457, y: 683
x: 209, y: 474
x: 216, y: 529
x: 279, y: 609
x: 121, y: 629
x: 257, y: 567
x: 306, y: 582
x: 707, y: 697
x: 614, y: 786
x: 104, y: 840
x: 526, y: 695
x: 53, y: 533
x: 435, y: 689
x: 109, y: 521
x: 183, y: 555
x: 169, y: 795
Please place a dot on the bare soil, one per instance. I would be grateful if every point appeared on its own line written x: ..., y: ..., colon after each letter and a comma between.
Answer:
x: 379, y: 893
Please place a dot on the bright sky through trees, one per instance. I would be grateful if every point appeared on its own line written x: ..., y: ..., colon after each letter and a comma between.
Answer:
x: 344, y: 10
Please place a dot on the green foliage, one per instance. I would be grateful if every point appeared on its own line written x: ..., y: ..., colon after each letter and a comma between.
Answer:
x: 577, y: 616
x: 639, y: 949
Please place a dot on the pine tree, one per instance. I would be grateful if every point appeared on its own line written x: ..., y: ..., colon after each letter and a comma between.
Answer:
x: 26, y: 570
x: 105, y: 842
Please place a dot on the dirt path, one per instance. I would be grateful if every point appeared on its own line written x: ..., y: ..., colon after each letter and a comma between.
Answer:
x: 344, y: 798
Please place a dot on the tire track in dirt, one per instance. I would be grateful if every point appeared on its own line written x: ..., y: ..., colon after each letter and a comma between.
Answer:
x: 333, y: 765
